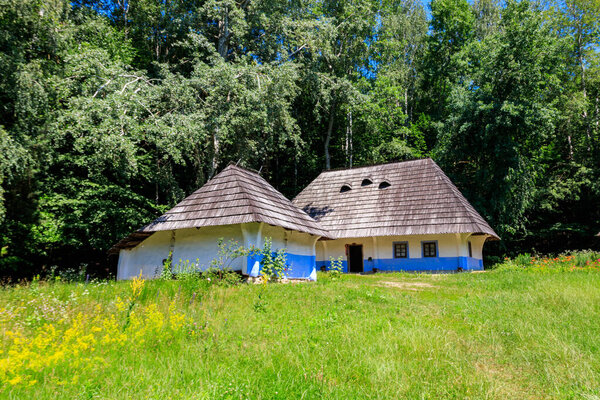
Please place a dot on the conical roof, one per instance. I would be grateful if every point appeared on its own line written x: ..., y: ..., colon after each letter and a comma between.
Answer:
x: 234, y: 196
x: 403, y: 198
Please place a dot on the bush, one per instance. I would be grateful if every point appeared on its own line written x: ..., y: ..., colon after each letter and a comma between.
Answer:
x: 585, y: 257
x: 222, y: 277
x: 337, y: 267
x: 274, y: 264
x: 68, y: 275
x: 585, y: 260
x: 166, y: 274
x: 523, y: 259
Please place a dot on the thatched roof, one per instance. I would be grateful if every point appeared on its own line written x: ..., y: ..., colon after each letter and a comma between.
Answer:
x: 234, y: 196
x: 419, y: 199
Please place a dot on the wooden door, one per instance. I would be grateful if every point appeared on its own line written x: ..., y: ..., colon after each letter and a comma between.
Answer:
x: 355, y: 258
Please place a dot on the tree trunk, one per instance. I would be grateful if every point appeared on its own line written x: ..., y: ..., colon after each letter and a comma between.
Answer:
x: 597, y: 115
x: 156, y: 181
x: 584, y: 115
x: 222, y: 45
x: 349, y: 140
x: 124, y: 6
x: 328, y: 137
x: 215, y: 158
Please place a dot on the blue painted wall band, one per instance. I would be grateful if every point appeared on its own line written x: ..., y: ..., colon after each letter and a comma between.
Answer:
x: 305, y: 267
x: 298, y: 266
x: 429, y: 264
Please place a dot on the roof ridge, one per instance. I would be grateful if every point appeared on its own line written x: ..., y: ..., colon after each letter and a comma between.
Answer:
x: 256, y: 208
x: 241, y: 184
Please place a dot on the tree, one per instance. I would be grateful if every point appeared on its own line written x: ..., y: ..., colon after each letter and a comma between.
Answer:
x: 452, y: 26
x: 500, y: 119
x: 331, y: 58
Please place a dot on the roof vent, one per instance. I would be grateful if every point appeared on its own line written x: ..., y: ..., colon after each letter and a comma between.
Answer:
x: 366, y: 182
x: 345, y: 188
x: 384, y: 184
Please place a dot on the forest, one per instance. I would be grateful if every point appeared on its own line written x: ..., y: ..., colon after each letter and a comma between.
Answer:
x: 112, y: 111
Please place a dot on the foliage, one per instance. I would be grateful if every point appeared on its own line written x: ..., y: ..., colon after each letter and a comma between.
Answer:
x: 567, y: 262
x: 113, y: 111
x: 69, y: 274
x: 228, y: 252
x: 336, y: 268
x: 218, y: 273
x: 273, y: 264
x: 166, y: 273
x: 222, y: 277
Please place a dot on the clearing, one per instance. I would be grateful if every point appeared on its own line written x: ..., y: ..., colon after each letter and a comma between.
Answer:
x: 495, y: 335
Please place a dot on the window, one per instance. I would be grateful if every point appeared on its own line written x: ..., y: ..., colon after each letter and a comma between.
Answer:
x: 366, y: 182
x: 400, y: 249
x: 429, y: 249
x: 384, y: 184
x: 470, y: 250
x: 345, y: 188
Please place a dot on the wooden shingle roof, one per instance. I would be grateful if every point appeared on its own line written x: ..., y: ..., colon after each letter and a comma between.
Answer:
x: 419, y: 199
x: 234, y: 196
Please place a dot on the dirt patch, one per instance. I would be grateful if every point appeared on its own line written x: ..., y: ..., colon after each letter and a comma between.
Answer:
x: 415, y: 286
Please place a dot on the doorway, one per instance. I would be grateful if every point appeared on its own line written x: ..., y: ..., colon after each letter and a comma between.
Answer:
x: 355, y: 258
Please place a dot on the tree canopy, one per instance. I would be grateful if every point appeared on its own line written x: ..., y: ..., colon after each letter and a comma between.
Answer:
x: 114, y: 110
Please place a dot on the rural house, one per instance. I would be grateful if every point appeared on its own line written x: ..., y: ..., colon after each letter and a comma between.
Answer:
x: 403, y: 216
x: 236, y: 204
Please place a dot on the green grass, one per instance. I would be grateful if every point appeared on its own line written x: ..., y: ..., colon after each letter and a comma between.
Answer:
x: 493, y: 335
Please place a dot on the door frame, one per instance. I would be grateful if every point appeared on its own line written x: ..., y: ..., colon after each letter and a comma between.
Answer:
x: 349, y: 260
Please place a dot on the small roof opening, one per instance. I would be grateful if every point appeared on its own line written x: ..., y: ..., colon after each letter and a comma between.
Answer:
x: 384, y: 184
x: 366, y: 182
x: 345, y: 188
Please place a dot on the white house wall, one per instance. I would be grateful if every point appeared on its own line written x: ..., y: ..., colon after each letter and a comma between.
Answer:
x: 147, y: 257
x: 198, y: 247
x: 378, y: 252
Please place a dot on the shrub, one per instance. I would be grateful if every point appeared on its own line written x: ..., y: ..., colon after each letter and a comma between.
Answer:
x: 523, y: 259
x: 166, y: 274
x: 222, y: 277
x: 68, y: 275
x: 336, y: 267
x: 219, y: 271
x: 187, y: 270
x: 585, y: 257
x: 273, y: 263
x: 586, y: 260
x: 228, y: 252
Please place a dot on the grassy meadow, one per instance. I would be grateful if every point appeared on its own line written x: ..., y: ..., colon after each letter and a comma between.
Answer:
x: 515, y: 332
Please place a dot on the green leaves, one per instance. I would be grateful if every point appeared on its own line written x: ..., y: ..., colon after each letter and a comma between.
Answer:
x: 500, y: 119
x: 114, y: 111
